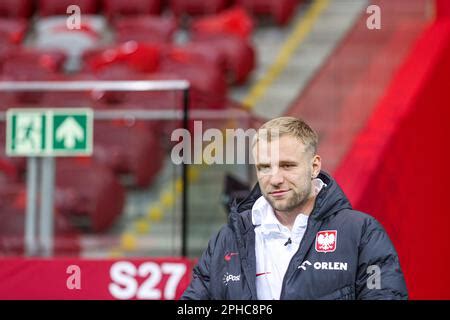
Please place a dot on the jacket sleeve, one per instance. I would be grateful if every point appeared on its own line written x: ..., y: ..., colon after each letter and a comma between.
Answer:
x: 199, y: 288
x: 379, y: 276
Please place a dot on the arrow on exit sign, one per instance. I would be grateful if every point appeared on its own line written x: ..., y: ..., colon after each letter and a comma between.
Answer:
x: 49, y: 132
x: 69, y: 132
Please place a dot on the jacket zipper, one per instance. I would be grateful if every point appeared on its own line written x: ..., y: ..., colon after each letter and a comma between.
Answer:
x: 293, y: 258
x: 308, y: 227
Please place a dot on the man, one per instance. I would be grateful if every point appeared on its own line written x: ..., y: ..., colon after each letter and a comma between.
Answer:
x: 296, y: 235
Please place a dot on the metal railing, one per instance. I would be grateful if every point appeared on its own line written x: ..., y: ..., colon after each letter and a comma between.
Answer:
x: 46, y: 224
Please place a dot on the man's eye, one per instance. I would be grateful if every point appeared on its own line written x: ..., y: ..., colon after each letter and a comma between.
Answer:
x: 264, y: 168
x: 287, y: 166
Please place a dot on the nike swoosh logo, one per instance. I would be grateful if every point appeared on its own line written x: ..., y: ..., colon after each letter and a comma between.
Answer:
x: 229, y: 255
x: 262, y: 273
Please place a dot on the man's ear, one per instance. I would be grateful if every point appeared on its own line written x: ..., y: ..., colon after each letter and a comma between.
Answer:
x: 316, y: 166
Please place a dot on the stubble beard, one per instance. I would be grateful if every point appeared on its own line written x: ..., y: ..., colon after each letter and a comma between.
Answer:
x: 294, y: 203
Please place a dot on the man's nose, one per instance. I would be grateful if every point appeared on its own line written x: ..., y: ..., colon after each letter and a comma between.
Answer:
x: 276, y: 178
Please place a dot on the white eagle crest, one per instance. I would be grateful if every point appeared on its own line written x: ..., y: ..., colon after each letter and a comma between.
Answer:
x: 326, y: 241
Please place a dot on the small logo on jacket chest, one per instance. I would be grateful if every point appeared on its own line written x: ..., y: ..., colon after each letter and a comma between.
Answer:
x: 320, y: 265
x: 228, y: 256
x: 326, y: 241
x: 229, y: 277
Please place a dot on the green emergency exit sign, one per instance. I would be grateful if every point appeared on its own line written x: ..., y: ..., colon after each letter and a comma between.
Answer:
x: 49, y: 132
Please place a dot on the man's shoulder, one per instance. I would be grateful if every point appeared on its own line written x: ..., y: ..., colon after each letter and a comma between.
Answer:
x: 356, y: 215
x: 238, y: 224
x: 358, y: 219
x: 223, y: 235
x: 225, y: 230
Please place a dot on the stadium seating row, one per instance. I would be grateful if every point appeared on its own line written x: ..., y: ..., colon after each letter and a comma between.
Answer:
x: 89, y: 193
x: 218, y: 53
x: 281, y: 10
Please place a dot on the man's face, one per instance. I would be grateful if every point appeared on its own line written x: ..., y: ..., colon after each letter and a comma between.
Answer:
x: 284, y: 170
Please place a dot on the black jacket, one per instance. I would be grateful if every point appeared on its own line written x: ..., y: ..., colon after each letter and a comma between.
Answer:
x: 227, y: 269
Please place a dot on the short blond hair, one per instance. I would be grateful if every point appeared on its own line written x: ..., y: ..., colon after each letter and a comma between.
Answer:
x: 294, y: 127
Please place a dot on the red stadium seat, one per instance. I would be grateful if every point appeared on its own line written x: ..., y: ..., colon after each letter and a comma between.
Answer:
x: 160, y: 63
x: 29, y: 65
x: 137, y: 56
x: 281, y: 10
x: 12, y: 30
x: 8, y: 169
x: 71, y: 99
x: 11, y: 168
x: 114, y: 73
x: 86, y: 190
x: 45, y: 61
x: 197, y: 53
x: 235, y: 21
x: 16, y: 69
x: 59, y: 7
x: 88, y: 194
x: 228, y: 33
x: 207, y: 80
x: 13, y: 207
x: 130, y: 150
x: 68, y: 99
x: 147, y: 29
x: 117, y: 8
x: 195, y: 7
x: 208, y: 89
x: 240, y: 55
x: 128, y: 61
x: 16, y: 8
x: 12, y: 216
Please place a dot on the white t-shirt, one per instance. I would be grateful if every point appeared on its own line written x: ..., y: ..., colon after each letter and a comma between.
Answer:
x: 272, y: 253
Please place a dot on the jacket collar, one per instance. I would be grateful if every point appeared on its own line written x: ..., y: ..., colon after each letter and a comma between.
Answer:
x: 330, y: 200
